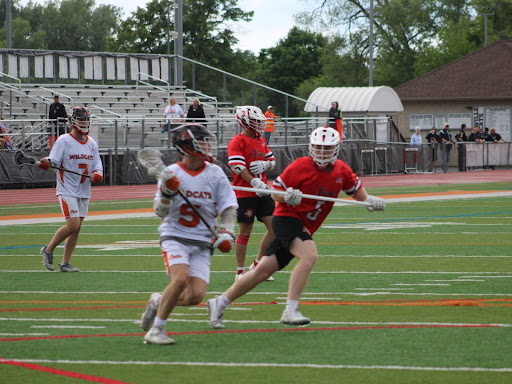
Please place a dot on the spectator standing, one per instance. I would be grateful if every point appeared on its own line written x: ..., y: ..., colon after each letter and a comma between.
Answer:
x: 5, y: 141
x: 195, y: 113
x: 446, y: 146
x: 433, y: 138
x: 296, y: 220
x: 270, y: 119
x: 77, y: 152
x: 249, y: 159
x: 474, y: 136
x: 186, y: 242
x: 335, y: 118
x: 485, y: 135
x: 416, y: 140
x: 58, y: 114
x: 461, y: 138
x: 496, y: 137
x: 173, y: 115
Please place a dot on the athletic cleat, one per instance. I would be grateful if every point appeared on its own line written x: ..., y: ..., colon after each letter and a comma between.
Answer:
x: 270, y: 278
x: 294, y: 318
x: 215, y: 315
x: 47, y: 259
x: 148, y: 317
x: 157, y: 336
x: 66, y: 267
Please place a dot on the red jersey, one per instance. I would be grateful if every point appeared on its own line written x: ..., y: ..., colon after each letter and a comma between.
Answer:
x: 243, y: 150
x: 304, y: 175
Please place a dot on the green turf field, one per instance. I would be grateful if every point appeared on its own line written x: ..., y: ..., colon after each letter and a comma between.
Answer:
x: 420, y: 293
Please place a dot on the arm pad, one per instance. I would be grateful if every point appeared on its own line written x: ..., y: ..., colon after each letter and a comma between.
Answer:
x: 227, y: 219
x: 237, y: 168
x: 161, y: 209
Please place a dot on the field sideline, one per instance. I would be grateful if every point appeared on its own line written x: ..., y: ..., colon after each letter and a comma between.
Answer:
x: 420, y: 293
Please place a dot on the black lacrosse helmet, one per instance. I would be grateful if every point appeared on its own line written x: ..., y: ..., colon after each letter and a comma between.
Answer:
x: 80, y: 120
x: 195, y: 140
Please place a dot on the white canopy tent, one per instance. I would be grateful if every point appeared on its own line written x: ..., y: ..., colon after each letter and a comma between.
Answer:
x: 366, y: 100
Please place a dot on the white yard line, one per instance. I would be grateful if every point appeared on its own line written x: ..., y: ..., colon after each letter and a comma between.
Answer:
x: 267, y: 365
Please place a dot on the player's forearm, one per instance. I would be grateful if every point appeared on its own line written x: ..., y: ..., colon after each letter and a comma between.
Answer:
x: 361, y: 194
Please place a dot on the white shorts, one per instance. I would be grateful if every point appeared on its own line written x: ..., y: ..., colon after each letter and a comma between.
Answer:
x: 73, y: 206
x: 197, y: 258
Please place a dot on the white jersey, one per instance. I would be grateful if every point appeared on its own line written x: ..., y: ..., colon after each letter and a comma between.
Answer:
x: 81, y: 157
x: 209, y: 191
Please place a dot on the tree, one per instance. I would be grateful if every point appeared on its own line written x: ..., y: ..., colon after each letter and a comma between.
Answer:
x: 295, y: 59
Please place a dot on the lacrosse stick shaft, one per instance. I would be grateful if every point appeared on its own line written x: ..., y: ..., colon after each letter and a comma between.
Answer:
x: 304, y: 196
x: 68, y: 171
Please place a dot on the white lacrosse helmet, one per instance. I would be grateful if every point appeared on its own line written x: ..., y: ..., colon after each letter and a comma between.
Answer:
x: 251, y: 117
x: 324, y: 146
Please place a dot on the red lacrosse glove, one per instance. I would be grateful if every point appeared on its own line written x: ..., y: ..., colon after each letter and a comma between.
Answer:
x: 97, y: 177
x: 44, y: 164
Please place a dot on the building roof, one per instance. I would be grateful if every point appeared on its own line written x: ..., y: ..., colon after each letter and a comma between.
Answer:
x: 484, y: 74
x: 355, y: 99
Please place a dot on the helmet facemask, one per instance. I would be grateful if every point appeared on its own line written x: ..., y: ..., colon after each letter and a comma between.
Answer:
x: 324, y: 146
x: 195, y: 140
x: 251, y: 118
x: 80, y: 120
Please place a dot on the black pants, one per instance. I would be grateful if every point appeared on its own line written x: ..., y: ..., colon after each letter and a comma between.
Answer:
x: 461, y: 149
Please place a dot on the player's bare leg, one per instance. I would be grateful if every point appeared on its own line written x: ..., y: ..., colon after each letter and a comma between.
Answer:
x: 306, y: 252
x: 170, y: 297
x: 72, y: 239
x: 252, y: 278
x: 267, y: 237
x: 194, y: 293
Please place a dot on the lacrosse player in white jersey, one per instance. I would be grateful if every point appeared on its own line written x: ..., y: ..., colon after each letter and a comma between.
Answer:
x: 187, y: 243
x: 77, y: 152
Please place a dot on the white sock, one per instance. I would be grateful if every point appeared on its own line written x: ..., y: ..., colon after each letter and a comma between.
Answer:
x: 159, y: 323
x: 238, y: 269
x: 291, y: 305
x: 223, y: 302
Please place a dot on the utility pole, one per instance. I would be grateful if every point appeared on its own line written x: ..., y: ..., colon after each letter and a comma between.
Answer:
x: 178, y: 42
x: 493, y: 9
x: 8, y: 31
x: 370, y: 82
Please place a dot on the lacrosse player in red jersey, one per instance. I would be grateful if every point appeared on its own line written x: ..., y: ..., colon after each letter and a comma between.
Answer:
x: 249, y: 159
x: 78, y: 152
x: 186, y: 241
x: 295, y: 221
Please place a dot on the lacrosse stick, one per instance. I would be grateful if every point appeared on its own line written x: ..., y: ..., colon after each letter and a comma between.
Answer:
x: 305, y: 196
x: 151, y: 160
x: 21, y: 159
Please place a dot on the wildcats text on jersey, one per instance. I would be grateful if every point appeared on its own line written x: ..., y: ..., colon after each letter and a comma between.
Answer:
x: 198, y: 195
x: 81, y: 156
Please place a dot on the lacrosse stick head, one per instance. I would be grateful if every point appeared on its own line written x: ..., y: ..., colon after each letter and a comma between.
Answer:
x: 151, y: 160
x: 21, y: 159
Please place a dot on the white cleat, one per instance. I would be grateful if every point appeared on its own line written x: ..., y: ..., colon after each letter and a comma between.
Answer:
x: 148, y: 317
x: 294, y: 318
x: 47, y: 259
x: 157, y: 336
x: 66, y: 267
x: 270, y: 278
x: 215, y: 315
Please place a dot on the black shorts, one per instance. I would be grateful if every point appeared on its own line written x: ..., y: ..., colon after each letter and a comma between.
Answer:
x: 250, y: 207
x: 285, y: 229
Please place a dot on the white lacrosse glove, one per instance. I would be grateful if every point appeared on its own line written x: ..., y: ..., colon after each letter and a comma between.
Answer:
x: 169, y: 184
x: 377, y: 204
x: 224, y: 241
x: 293, y: 196
x: 258, y: 167
x: 258, y: 184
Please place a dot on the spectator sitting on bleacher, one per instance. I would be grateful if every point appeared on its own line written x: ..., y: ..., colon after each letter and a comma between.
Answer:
x: 5, y: 140
x: 496, y: 137
x: 195, y: 113
x: 173, y: 115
